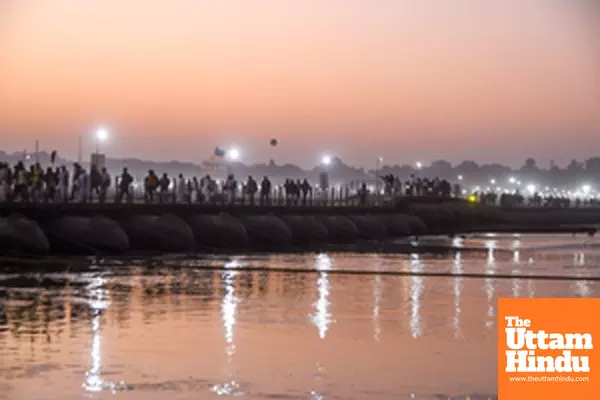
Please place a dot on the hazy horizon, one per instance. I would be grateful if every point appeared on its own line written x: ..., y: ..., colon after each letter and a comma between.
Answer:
x: 489, y: 81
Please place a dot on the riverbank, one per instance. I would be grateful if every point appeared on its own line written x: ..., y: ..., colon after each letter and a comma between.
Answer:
x: 95, y: 229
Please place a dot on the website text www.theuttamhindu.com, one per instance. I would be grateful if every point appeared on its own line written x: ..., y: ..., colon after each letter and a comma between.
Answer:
x: 541, y: 379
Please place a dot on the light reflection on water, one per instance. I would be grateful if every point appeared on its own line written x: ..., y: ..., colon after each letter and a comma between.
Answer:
x: 190, y: 333
x: 97, y: 295
x: 417, y: 287
x: 457, y: 269
x: 322, y: 317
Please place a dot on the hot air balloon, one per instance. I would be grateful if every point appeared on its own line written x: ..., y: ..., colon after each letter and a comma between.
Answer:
x: 273, y: 142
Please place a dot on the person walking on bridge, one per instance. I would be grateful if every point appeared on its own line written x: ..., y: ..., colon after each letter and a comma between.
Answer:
x: 95, y: 181
x: 4, y: 183
x: 22, y: 183
x: 230, y: 188
x: 251, y: 189
x: 105, y: 176
x: 163, y: 184
x: 75, y: 185
x: 181, y: 186
x: 306, y: 190
x: 51, y: 183
x: 124, y: 185
x: 63, y: 184
x: 150, y: 185
x: 265, y: 192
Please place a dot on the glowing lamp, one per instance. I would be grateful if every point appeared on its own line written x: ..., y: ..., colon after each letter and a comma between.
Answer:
x: 233, y: 154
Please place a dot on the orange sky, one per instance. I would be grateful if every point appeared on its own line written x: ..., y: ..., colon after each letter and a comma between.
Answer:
x: 484, y: 80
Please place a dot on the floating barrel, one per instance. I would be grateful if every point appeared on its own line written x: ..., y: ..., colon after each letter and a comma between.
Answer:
x: 21, y: 235
x: 369, y: 227
x: 397, y: 225
x: 86, y: 235
x: 431, y: 217
x: 219, y: 231
x: 415, y: 225
x: 306, y: 229
x: 165, y: 233
x: 339, y: 228
x: 267, y: 231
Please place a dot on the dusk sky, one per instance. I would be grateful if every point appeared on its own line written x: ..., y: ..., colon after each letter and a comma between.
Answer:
x: 408, y: 80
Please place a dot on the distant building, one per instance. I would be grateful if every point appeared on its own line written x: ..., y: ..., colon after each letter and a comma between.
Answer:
x: 215, y: 165
x: 99, y: 160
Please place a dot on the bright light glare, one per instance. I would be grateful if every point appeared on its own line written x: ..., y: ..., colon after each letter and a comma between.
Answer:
x: 102, y: 134
x: 493, y: 181
x: 233, y: 154
x: 586, y: 189
x: 419, y: 165
x: 512, y: 179
x: 326, y: 160
x: 531, y: 188
x: 460, y: 177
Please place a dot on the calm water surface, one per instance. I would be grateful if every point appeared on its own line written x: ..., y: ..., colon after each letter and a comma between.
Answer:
x: 180, y: 331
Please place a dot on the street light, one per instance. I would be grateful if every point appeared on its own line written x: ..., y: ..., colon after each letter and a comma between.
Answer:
x: 378, y: 162
x: 493, y: 181
x: 586, y: 189
x: 101, y: 137
x: 460, y: 177
x: 233, y: 154
x: 419, y: 165
x: 512, y: 180
x: 326, y: 160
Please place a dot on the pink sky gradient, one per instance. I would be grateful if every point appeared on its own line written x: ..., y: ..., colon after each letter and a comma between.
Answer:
x: 406, y: 80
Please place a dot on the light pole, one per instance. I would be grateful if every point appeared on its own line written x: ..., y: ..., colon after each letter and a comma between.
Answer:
x: 378, y: 162
x: 101, y: 136
x: 232, y: 154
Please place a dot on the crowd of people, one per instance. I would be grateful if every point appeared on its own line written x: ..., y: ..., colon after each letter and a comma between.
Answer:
x: 416, y: 186
x: 516, y: 199
x: 59, y: 185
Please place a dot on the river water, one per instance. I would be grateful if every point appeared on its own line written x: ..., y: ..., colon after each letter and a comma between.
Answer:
x: 205, y: 328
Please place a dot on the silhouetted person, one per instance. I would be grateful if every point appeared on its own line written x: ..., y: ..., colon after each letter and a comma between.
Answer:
x: 51, y: 182
x: 163, y: 185
x: 306, y: 190
x: 104, y: 185
x: 4, y: 183
x: 230, y: 188
x: 124, y: 185
x: 75, y: 186
x: 63, y: 184
x: 251, y: 189
x: 95, y: 180
x: 181, y: 188
x: 363, y: 193
x: 21, y: 183
x: 265, y: 191
x: 150, y: 185
x: 37, y: 182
